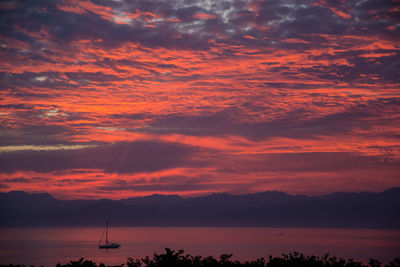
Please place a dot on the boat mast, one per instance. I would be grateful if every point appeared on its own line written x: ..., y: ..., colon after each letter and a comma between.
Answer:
x: 107, y: 233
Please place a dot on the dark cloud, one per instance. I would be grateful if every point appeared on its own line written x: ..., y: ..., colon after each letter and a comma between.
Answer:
x: 361, y: 69
x: 162, y: 184
x: 295, y: 124
x: 328, y: 162
x: 98, y: 77
x: 290, y: 19
x: 305, y: 21
x: 229, y: 166
x: 26, y: 180
x: 22, y: 84
x: 4, y: 186
x: 34, y: 134
x: 117, y: 158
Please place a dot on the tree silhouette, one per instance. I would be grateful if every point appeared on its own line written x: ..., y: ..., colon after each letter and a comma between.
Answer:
x: 177, y: 259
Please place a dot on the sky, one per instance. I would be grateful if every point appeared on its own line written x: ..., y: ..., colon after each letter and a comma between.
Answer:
x: 117, y: 99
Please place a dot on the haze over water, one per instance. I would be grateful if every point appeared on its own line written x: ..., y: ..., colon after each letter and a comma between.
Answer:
x: 48, y: 246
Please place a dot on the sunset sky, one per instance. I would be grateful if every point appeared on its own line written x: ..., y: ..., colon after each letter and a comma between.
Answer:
x: 116, y: 99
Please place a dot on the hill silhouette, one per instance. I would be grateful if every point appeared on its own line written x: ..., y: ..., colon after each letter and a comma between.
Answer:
x: 271, y: 208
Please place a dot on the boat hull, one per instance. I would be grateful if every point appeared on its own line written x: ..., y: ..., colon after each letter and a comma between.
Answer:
x: 107, y: 246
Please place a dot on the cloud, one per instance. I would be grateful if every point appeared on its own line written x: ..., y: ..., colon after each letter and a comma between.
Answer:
x: 26, y: 180
x: 154, y: 86
x: 162, y: 184
x: 296, y: 124
x: 116, y: 158
x: 319, y: 162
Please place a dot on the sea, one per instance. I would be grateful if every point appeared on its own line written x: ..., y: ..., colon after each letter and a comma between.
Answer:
x: 49, y: 246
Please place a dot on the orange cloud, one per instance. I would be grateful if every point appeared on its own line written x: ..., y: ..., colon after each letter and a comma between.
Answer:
x: 255, y: 113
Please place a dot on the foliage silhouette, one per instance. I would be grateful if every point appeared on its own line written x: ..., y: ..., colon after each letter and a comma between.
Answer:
x: 177, y: 259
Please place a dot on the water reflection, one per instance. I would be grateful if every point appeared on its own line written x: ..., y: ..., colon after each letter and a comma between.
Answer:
x: 47, y: 246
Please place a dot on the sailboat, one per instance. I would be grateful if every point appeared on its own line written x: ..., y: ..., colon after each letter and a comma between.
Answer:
x: 107, y: 245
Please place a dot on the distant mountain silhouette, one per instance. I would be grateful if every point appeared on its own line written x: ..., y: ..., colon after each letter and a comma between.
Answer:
x: 272, y: 208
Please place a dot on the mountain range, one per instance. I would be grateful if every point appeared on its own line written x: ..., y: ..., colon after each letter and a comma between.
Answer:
x: 271, y: 208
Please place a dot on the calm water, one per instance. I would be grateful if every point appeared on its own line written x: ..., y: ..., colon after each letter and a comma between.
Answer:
x: 48, y: 246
